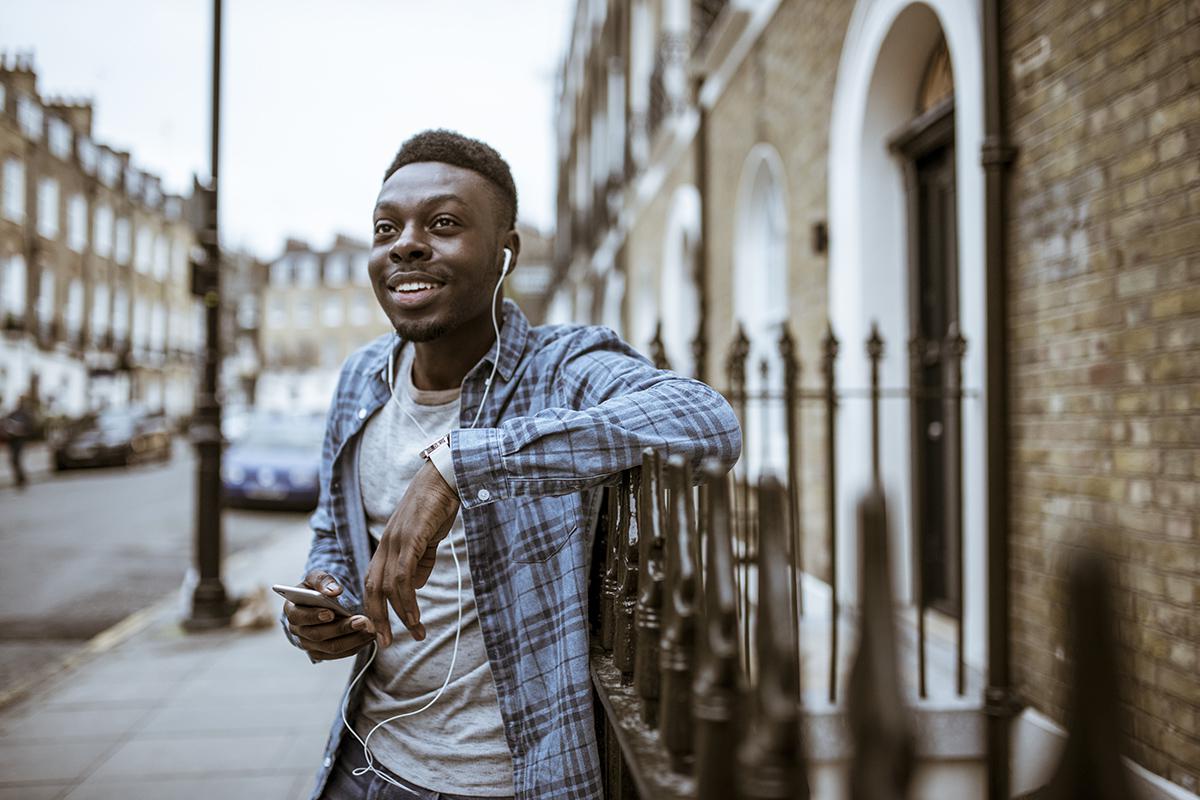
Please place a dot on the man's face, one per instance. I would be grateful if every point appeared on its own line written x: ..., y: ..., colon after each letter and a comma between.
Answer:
x: 435, y: 254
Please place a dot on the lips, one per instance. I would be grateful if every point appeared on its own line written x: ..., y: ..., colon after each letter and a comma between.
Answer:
x: 413, y: 289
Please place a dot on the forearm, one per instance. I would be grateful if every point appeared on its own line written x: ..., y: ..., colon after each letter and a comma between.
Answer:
x: 562, y: 450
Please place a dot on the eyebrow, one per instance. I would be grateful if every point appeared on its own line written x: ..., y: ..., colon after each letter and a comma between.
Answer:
x: 431, y: 200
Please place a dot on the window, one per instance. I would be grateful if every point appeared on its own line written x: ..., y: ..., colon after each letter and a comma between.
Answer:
x: 331, y: 311
x: 29, y: 116
x: 158, y: 326
x: 77, y: 219
x: 58, y: 136
x: 45, y: 301
x: 102, y: 231
x: 13, y: 295
x: 281, y: 272
x: 133, y: 181
x: 153, y: 193
x: 276, y: 313
x: 110, y: 168
x: 141, y: 323
x: 14, y: 190
x: 120, y: 314
x: 100, y: 310
x: 121, y: 250
x: 302, y: 314
x: 162, y: 256
x: 74, y: 316
x: 47, y: 209
x: 3, y: 97
x: 143, y: 253
x: 86, y: 149
x: 306, y: 270
x: 247, y: 312
x: 337, y: 268
x: 361, y: 312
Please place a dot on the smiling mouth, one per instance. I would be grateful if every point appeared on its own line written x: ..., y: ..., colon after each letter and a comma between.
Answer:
x: 409, y: 291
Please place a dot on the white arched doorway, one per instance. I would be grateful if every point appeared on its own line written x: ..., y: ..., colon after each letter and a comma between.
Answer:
x: 679, y: 296
x: 883, y: 61
x: 760, y: 301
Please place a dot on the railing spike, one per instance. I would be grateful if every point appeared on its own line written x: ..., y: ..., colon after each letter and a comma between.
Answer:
x: 879, y: 722
x: 771, y: 761
x: 625, y: 633
x: 715, y: 690
x: 679, y: 618
x: 648, y: 614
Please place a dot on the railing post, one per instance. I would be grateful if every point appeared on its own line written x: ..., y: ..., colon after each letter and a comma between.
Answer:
x: 874, y: 355
x: 739, y: 351
x: 791, y: 381
x: 625, y: 637
x: 955, y: 349
x: 879, y: 722
x: 679, y: 620
x: 715, y: 690
x: 771, y: 761
x: 1092, y: 765
x: 608, y: 585
x: 829, y: 347
x: 658, y: 351
x: 648, y: 615
x: 916, y: 357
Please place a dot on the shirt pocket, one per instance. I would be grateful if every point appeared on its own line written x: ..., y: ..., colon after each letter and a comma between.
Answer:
x: 545, y: 526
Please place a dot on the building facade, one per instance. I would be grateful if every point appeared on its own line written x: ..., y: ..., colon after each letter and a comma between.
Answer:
x: 731, y: 168
x: 94, y: 285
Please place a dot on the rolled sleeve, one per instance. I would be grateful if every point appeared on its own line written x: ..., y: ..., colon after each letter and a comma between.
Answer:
x: 479, y: 466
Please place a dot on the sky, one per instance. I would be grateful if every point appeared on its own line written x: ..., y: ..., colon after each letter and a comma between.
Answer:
x: 316, y: 96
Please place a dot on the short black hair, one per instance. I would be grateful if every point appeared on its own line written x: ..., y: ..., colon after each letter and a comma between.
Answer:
x: 451, y: 147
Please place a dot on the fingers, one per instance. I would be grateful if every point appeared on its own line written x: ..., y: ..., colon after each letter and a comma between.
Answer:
x: 323, y: 582
x: 334, y: 639
x: 306, y: 615
x: 374, y: 602
x: 340, y: 647
x: 399, y: 574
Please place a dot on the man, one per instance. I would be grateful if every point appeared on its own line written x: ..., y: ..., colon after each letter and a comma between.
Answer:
x: 18, y: 427
x: 482, y: 692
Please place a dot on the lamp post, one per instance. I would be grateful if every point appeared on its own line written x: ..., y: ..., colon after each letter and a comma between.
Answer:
x: 211, y: 607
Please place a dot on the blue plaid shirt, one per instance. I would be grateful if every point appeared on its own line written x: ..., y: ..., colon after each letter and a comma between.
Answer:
x: 572, y: 407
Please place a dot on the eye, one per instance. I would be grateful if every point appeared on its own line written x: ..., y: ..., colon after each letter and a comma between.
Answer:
x: 443, y: 222
x: 384, y: 228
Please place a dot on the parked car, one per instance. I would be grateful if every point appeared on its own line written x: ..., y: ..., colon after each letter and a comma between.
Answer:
x: 274, y: 463
x: 113, y: 437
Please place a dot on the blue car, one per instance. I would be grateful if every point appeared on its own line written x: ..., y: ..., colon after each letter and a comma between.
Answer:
x: 274, y: 464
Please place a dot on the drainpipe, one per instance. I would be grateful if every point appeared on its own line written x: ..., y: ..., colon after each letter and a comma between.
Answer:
x: 1000, y: 703
x: 700, y: 343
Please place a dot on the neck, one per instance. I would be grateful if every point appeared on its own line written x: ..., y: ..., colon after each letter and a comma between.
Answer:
x: 444, y: 362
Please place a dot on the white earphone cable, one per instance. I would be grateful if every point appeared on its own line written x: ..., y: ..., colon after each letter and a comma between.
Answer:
x: 364, y: 741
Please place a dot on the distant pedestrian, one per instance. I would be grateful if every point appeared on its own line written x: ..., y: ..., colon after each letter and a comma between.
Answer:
x: 18, y: 427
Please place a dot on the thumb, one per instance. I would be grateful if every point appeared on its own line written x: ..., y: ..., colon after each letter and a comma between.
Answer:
x: 323, y: 582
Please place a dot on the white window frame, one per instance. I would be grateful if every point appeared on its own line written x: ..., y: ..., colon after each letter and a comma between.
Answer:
x: 48, y: 209
x: 143, y: 249
x: 14, y: 190
x: 16, y: 279
x: 74, y: 310
x: 101, y: 309
x: 46, y: 299
x: 77, y: 223
x: 58, y: 137
x: 102, y: 230
x: 29, y: 116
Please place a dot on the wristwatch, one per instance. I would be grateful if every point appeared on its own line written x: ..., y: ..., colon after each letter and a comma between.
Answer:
x: 438, y: 454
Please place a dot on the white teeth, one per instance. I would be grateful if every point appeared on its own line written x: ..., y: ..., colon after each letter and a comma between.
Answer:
x: 413, y: 287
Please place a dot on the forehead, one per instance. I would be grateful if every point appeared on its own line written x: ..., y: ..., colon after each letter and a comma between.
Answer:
x: 414, y: 183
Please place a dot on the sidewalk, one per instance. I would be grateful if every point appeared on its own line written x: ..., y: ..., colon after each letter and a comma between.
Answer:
x: 157, y: 713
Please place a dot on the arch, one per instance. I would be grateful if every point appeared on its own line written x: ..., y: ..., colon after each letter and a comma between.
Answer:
x: 679, y: 295
x: 883, y: 60
x: 760, y: 295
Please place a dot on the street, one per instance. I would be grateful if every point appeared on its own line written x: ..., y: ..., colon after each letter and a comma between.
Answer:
x: 85, y: 548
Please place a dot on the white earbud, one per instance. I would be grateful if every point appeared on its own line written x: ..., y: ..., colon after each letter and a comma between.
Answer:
x: 507, y: 262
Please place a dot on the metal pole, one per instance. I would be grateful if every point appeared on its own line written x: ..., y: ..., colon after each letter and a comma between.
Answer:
x: 211, y: 607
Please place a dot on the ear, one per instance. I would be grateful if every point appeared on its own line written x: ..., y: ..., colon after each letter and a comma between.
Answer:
x: 510, y: 241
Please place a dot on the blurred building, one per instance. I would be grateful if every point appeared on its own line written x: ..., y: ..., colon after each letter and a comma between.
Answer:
x: 317, y: 308
x: 94, y: 290
x: 742, y: 165
x: 242, y: 280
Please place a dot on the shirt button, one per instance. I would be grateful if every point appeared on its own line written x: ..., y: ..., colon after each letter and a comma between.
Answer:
x: 328, y: 761
x: 484, y: 495
x: 362, y: 413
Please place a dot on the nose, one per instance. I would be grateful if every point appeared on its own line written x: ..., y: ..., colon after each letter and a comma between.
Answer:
x: 409, y: 247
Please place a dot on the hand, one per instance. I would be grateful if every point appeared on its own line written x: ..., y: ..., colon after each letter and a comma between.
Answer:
x: 407, y: 551
x: 321, y: 633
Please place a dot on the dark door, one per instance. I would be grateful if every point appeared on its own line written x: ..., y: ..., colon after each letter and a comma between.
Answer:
x: 935, y: 307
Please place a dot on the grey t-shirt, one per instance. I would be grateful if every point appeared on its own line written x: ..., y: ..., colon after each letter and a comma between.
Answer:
x: 457, y: 745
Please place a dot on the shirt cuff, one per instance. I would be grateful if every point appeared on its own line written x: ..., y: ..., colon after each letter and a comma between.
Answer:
x: 444, y: 464
x: 479, y: 466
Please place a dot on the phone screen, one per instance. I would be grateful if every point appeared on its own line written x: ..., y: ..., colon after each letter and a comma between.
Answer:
x: 303, y: 596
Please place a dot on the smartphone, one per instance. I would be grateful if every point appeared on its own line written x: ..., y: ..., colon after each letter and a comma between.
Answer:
x: 303, y: 596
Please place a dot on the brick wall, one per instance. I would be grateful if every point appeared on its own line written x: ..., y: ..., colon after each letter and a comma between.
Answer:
x: 1105, y: 315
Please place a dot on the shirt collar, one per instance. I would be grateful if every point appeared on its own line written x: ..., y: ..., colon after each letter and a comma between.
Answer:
x: 514, y: 330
